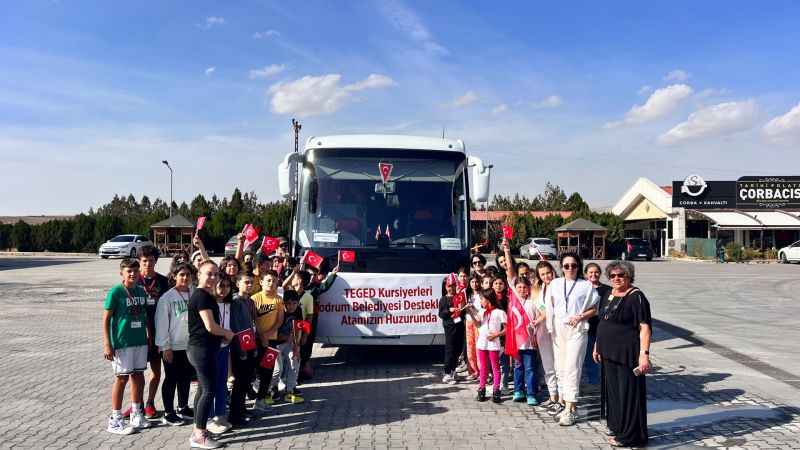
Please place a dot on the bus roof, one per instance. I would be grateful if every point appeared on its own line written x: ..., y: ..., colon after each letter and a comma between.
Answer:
x: 387, y: 141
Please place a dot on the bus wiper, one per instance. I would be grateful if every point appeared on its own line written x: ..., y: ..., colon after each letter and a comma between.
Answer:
x: 412, y: 244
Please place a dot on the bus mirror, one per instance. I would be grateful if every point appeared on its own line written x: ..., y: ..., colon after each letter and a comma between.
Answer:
x: 287, y: 174
x: 480, y: 179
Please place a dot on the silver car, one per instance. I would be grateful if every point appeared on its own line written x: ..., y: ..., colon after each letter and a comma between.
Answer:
x: 124, y: 245
x: 538, y: 246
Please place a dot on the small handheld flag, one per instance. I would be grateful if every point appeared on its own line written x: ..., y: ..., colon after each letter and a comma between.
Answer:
x: 508, y: 232
x: 313, y: 259
x: 200, y: 222
x: 268, y: 360
x: 247, y: 340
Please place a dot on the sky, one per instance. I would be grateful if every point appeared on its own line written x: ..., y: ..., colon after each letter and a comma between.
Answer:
x: 587, y: 95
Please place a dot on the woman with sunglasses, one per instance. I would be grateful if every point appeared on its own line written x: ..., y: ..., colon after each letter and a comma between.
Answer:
x: 573, y: 301
x: 623, y: 347
x: 478, y: 265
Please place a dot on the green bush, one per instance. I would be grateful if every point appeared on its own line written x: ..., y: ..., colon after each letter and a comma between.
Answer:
x: 734, y: 252
x: 749, y: 254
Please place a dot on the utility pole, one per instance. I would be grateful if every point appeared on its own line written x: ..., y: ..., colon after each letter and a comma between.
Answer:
x: 296, y: 128
x: 166, y: 163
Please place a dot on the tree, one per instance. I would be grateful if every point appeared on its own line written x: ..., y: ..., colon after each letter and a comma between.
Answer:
x: 21, y: 237
x: 199, y: 207
x: 5, y: 235
x: 553, y: 198
x: 576, y: 204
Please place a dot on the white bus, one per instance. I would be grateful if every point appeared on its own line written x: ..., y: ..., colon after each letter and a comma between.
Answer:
x: 400, y: 204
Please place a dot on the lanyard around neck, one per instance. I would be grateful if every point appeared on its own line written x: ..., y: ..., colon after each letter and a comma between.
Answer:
x: 567, y: 294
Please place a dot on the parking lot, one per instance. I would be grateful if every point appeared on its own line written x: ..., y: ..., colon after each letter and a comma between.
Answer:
x: 727, y: 372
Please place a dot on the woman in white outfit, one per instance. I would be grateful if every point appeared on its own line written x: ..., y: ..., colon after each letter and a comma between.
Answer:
x: 544, y: 273
x: 573, y: 301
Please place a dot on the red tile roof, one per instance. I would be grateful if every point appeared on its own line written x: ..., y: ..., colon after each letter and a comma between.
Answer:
x: 667, y: 189
x: 497, y: 216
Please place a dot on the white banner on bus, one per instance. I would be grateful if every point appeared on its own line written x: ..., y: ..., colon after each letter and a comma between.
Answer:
x: 361, y: 304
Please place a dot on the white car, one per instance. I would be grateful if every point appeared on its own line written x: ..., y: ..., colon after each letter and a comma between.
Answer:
x: 538, y: 246
x: 125, y: 245
x: 790, y: 253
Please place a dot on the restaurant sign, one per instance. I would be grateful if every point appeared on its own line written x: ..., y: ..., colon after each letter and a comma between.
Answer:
x: 751, y: 192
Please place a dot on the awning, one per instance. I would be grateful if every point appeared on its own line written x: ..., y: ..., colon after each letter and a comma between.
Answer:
x: 777, y: 219
x: 740, y: 220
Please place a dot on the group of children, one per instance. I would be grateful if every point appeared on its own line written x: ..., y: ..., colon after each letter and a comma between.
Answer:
x: 500, y: 322
x: 145, y: 322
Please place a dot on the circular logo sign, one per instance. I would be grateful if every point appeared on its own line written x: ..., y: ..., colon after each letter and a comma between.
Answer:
x: 694, y: 185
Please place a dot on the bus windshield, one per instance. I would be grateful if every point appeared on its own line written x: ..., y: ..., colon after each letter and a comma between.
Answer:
x: 344, y: 202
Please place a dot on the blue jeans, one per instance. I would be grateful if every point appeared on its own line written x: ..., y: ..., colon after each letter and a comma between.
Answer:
x: 525, y: 371
x: 220, y: 387
x: 591, y: 370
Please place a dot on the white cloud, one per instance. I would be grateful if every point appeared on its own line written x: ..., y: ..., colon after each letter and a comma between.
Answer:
x: 266, y: 34
x: 212, y: 21
x: 717, y: 120
x: 677, y: 75
x: 210, y: 71
x: 645, y: 89
x: 552, y: 101
x: 785, y: 126
x: 314, y: 95
x: 267, y: 71
x: 499, y: 109
x: 373, y: 81
x: 463, y: 100
x: 407, y: 22
x: 660, y: 103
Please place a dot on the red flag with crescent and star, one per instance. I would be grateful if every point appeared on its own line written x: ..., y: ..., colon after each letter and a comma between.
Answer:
x: 313, y: 259
x: 347, y: 256
x: 270, y: 355
x: 247, y: 340
x: 269, y: 245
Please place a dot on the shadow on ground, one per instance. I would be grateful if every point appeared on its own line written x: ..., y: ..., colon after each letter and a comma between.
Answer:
x: 12, y: 263
x: 357, y: 386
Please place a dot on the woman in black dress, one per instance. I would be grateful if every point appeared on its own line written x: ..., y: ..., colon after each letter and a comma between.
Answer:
x: 205, y: 336
x: 623, y: 347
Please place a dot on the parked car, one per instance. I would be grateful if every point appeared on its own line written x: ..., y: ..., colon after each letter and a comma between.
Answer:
x: 230, y: 246
x: 790, y: 253
x: 538, y: 246
x: 636, y: 248
x: 125, y: 245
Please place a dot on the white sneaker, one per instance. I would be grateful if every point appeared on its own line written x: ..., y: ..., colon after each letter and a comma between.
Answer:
x: 203, y: 442
x: 138, y: 421
x: 447, y: 378
x: 215, y: 426
x: 567, y: 419
x: 117, y: 425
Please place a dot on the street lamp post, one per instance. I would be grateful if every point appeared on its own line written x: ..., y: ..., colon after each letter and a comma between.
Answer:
x: 166, y: 163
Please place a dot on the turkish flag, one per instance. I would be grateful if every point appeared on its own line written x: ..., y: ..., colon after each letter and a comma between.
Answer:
x: 200, y: 222
x: 313, y: 259
x: 508, y: 232
x: 250, y: 235
x: 347, y: 256
x: 303, y: 326
x: 270, y: 355
x: 518, y: 321
x: 269, y: 245
x: 247, y: 340
x: 386, y: 171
